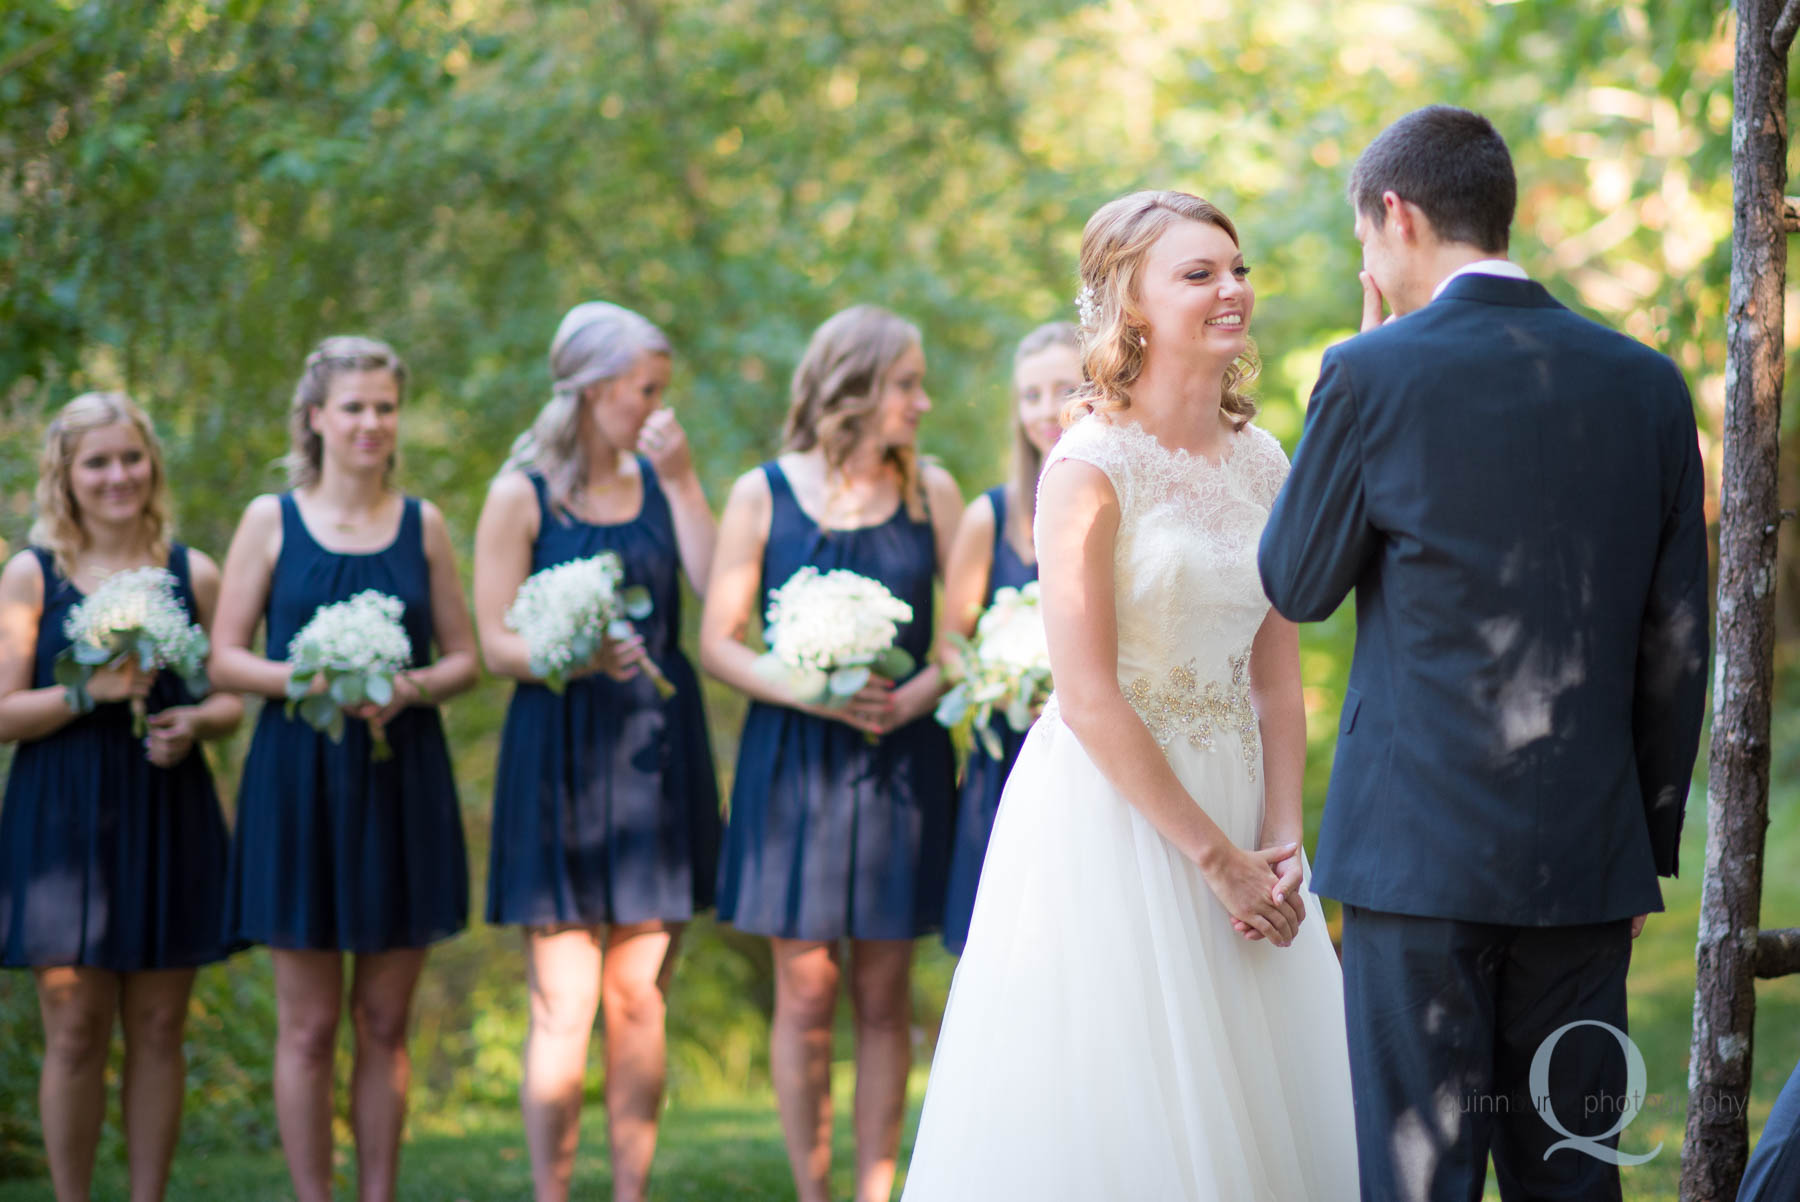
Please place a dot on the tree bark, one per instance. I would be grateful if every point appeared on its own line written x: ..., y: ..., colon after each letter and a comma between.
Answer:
x: 1778, y: 953
x: 1715, y: 1146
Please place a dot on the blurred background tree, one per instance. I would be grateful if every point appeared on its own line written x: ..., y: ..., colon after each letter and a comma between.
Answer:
x: 193, y: 192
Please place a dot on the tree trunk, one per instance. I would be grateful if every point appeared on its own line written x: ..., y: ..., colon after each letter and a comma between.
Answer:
x: 1714, y: 1149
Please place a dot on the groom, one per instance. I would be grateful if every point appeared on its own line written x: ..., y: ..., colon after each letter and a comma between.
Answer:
x: 1515, y: 495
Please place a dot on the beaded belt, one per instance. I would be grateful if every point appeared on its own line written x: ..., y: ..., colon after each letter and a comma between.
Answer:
x: 1179, y: 706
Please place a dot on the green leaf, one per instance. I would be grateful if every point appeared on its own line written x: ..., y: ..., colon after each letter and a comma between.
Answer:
x: 319, y: 711
x: 91, y: 655
x: 70, y: 672
x: 298, y: 685
x: 895, y: 663
x: 990, y: 742
x: 637, y: 603
x: 348, y: 690
x: 952, y: 707
x: 378, y: 688
x: 1018, y: 713
x: 847, y: 682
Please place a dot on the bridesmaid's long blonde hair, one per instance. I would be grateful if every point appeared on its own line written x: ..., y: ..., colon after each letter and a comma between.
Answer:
x: 837, y: 388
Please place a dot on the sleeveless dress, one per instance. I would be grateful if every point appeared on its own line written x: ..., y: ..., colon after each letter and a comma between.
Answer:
x: 606, y: 807
x: 983, y: 775
x: 335, y: 851
x: 829, y: 835
x: 1108, y: 1035
x: 106, y: 860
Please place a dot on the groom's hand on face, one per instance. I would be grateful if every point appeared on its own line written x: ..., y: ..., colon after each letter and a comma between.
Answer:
x: 1371, y: 314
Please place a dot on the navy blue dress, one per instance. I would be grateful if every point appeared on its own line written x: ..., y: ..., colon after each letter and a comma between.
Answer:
x: 335, y: 851
x: 983, y: 775
x: 606, y: 807
x: 830, y: 835
x: 106, y: 860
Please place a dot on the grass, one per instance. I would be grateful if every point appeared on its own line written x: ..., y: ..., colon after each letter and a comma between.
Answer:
x: 724, y: 1140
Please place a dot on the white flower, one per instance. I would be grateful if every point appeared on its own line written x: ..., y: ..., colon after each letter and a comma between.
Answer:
x: 828, y: 630
x: 1006, y: 668
x: 564, y: 613
x: 138, y: 615
x: 358, y: 648
x: 363, y: 634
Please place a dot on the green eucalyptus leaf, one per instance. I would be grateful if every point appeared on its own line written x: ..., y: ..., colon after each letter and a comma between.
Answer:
x: 990, y: 742
x: 378, y: 688
x: 847, y: 682
x: 91, y: 655
x: 895, y: 663
x: 319, y: 709
x: 348, y: 690
x: 952, y: 707
x: 69, y: 671
x: 637, y: 603
x: 298, y: 685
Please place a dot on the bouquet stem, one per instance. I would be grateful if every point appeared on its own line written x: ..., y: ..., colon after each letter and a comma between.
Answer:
x: 380, y: 750
x: 139, y: 709
x: 664, y: 689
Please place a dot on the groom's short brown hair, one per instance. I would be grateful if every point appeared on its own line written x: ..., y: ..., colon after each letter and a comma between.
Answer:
x: 1450, y: 162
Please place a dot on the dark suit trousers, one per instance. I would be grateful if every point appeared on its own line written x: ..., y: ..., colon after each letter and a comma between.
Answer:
x: 1445, y: 1018
x: 1773, y: 1174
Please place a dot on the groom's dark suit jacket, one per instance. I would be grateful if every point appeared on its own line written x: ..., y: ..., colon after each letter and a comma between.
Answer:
x: 1515, y: 494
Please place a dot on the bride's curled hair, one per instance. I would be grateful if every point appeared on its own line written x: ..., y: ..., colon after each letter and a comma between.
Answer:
x: 1114, y: 246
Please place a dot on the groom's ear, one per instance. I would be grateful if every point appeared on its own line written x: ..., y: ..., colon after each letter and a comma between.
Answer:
x: 1410, y: 224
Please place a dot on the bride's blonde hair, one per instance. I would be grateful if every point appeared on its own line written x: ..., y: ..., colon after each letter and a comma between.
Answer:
x: 1114, y: 246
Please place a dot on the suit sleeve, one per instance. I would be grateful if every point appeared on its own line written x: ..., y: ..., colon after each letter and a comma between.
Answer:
x: 1674, y: 643
x: 1318, y: 538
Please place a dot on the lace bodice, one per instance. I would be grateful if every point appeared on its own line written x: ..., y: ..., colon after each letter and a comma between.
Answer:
x: 1186, y: 589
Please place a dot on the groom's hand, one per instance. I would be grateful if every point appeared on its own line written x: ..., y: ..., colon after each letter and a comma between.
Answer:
x: 1371, y: 314
x: 1637, y: 925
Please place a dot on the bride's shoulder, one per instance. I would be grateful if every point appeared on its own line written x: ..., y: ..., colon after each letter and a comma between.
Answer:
x: 1261, y: 460
x: 1261, y: 445
x: 1090, y: 439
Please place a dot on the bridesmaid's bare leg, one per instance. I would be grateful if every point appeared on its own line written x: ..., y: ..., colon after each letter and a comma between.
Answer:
x: 154, y: 1006
x: 881, y: 994
x: 562, y: 968
x: 309, y: 987
x: 640, y: 960
x: 78, y: 1006
x: 381, y: 1008
x: 806, y: 988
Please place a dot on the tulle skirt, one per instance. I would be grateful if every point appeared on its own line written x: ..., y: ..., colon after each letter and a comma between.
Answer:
x: 1109, y: 1035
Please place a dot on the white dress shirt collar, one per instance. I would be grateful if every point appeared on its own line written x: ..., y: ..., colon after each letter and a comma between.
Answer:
x: 1500, y: 267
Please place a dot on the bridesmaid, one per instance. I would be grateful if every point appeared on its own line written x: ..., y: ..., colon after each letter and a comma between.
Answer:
x: 993, y: 551
x: 112, y: 848
x: 335, y: 852
x: 833, y: 835
x: 606, y: 810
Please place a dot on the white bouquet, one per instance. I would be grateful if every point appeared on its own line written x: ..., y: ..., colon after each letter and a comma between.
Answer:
x: 1006, y: 668
x: 132, y: 615
x: 829, y: 632
x: 357, y: 648
x: 565, y: 612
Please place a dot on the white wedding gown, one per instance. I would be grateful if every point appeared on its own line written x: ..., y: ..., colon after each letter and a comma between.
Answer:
x: 1108, y: 1035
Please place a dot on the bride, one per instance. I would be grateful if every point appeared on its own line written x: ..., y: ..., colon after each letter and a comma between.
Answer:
x: 1149, y: 1006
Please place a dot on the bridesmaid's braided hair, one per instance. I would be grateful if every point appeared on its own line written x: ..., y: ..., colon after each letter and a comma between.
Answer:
x: 1114, y: 246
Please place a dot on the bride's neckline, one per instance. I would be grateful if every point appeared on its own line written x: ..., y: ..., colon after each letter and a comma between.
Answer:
x: 1134, y: 432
